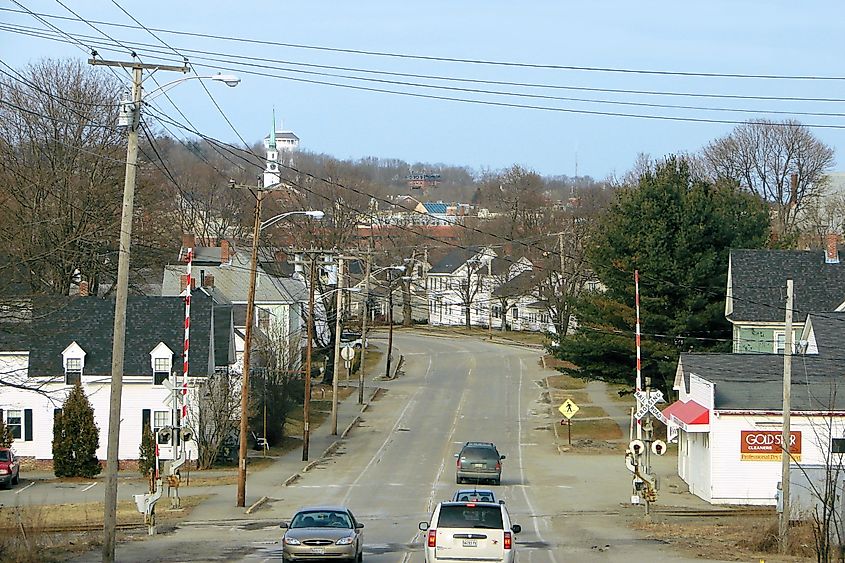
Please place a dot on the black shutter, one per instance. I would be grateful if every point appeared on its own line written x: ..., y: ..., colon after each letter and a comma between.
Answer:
x: 145, y: 420
x: 27, y: 425
x: 56, y: 414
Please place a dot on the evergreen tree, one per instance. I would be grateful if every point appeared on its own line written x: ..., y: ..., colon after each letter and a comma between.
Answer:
x: 75, y: 437
x: 147, y: 452
x: 677, y: 230
x: 6, y: 437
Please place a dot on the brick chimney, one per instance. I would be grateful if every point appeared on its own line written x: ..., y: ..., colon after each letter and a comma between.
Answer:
x: 188, y: 240
x: 183, y: 282
x: 208, y: 280
x: 83, y: 289
x: 831, y: 253
x: 225, y: 252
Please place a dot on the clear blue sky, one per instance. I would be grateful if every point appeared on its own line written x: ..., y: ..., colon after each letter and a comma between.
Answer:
x: 716, y: 36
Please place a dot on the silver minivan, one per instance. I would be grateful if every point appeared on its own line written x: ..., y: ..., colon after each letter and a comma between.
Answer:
x: 479, y: 461
x: 470, y: 531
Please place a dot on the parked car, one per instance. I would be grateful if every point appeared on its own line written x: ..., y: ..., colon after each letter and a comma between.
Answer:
x: 351, y: 338
x: 323, y: 532
x: 10, y: 468
x: 479, y: 461
x: 469, y: 531
x: 475, y: 495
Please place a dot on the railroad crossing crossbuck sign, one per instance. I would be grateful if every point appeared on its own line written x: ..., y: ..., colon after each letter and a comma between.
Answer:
x: 568, y: 408
x: 648, y: 404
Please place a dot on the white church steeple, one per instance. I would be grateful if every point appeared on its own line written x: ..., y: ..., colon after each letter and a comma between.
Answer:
x: 271, y: 171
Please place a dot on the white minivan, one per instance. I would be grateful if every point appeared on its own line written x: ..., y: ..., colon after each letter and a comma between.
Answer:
x: 468, y: 531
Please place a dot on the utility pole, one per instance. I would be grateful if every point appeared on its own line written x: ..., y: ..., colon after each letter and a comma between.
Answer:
x: 337, y: 330
x: 250, y: 321
x: 121, y: 297
x: 390, y: 323
x: 490, y: 301
x: 783, y: 528
x: 364, y: 329
x: 306, y: 403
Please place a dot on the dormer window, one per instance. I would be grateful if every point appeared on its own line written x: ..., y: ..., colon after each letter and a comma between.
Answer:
x: 161, y: 362
x: 73, y: 361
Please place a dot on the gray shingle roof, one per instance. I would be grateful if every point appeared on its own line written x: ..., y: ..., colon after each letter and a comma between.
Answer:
x: 755, y: 381
x: 522, y: 284
x: 454, y: 260
x: 828, y: 329
x: 233, y: 282
x: 759, y: 283
x: 89, y: 322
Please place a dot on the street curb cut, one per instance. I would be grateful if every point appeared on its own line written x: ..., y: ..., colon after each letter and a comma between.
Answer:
x: 257, y: 504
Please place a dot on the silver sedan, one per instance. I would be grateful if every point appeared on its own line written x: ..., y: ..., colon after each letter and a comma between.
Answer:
x: 323, y: 532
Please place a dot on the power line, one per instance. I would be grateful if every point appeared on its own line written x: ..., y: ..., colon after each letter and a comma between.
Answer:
x: 486, y: 62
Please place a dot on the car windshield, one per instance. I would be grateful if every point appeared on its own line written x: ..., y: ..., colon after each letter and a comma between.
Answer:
x: 463, y: 516
x: 321, y: 519
x: 4, y: 456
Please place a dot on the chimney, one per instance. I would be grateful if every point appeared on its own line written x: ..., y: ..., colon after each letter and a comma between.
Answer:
x: 83, y: 289
x: 188, y: 240
x: 183, y: 282
x: 225, y: 252
x: 208, y: 280
x: 831, y: 250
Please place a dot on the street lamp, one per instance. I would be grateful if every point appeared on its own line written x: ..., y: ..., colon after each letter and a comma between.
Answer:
x: 229, y: 80
x: 250, y: 307
x: 132, y: 116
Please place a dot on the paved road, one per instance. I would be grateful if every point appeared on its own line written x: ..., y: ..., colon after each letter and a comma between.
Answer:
x: 399, y: 461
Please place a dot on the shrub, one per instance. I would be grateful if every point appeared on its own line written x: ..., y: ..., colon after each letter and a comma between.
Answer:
x: 75, y: 437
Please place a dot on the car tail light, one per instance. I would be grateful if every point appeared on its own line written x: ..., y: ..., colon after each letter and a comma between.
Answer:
x: 508, y: 540
x: 458, y: 462
x: 470, y: 505
x: 498, y: 466
x: 432, y: 538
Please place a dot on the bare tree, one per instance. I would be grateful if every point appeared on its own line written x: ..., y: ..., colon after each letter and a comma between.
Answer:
x: 215, y: 416
x: 761, y: 156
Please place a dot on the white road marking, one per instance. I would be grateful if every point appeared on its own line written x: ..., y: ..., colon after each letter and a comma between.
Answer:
x: 522, y: 466
x: 387, y: 439
x: 25, y: 488
x: 89, y: 487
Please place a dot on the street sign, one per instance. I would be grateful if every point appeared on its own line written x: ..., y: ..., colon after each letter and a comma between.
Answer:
x: 347, y: 353
x: 648, y: 404
x: 568, y: 408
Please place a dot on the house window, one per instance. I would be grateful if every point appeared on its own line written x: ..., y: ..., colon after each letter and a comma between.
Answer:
x: 497, y: 311
x: 14, y: 422
x: 515, y: 314
x: 161, y: 370
x: 532, y: 317
x: 544, y: 318
x: 780, y: 342
x: 160, y: 420
x: 264, y: 319
x: 73, y: 371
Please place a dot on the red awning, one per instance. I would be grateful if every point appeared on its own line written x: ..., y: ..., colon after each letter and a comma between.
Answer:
x: 688, y: 413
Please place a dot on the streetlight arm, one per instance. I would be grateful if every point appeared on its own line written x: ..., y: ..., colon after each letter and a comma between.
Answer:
x: 227, y: 79
x: 273, y: 220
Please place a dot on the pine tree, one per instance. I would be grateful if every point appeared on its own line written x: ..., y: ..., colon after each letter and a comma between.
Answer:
x: 6, y: 437
x: 75, y: 437
x: 147, y: 452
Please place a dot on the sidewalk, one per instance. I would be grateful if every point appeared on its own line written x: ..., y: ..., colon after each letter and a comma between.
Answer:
x: 268, y: 481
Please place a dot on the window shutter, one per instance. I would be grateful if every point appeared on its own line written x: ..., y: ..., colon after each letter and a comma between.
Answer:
x: 57, y: 413
x: 27, y: 425
x: 145, y: 420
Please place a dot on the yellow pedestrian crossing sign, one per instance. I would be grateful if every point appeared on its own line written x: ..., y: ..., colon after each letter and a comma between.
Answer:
x: 568, y: 408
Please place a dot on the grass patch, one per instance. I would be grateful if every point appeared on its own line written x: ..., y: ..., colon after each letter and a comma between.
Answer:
x: 565, y: 382
x: 600, y: 429
x: 557, y: 397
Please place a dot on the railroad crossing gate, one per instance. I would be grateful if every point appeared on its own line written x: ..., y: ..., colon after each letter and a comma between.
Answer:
x: 568, y: 408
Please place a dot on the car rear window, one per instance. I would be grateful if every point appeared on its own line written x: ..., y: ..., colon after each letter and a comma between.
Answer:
x: 465, y: 516
x: 479, y: 453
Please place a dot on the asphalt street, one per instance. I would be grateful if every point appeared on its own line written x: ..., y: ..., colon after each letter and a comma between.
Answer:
x: 399, y: 461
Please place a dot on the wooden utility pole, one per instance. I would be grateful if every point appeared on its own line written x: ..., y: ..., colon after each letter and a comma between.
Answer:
x: 306, y: 403
x: 783, y: 528
x: 364, y: 329
x: 389, y: 322
x: 121, y: 297
x: 338, y: 328
x: 250, y: 321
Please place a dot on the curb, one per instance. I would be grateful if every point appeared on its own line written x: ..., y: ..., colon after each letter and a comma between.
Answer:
x: 291, y: 479
x: 257, y: 504
x: 352, y: 424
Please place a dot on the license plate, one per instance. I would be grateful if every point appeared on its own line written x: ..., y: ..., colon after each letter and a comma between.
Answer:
x: 318, y: 550
x: 470, y: 543
x: 478, y: 465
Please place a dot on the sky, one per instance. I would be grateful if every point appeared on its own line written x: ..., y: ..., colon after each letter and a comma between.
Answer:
x: 578, y: 135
